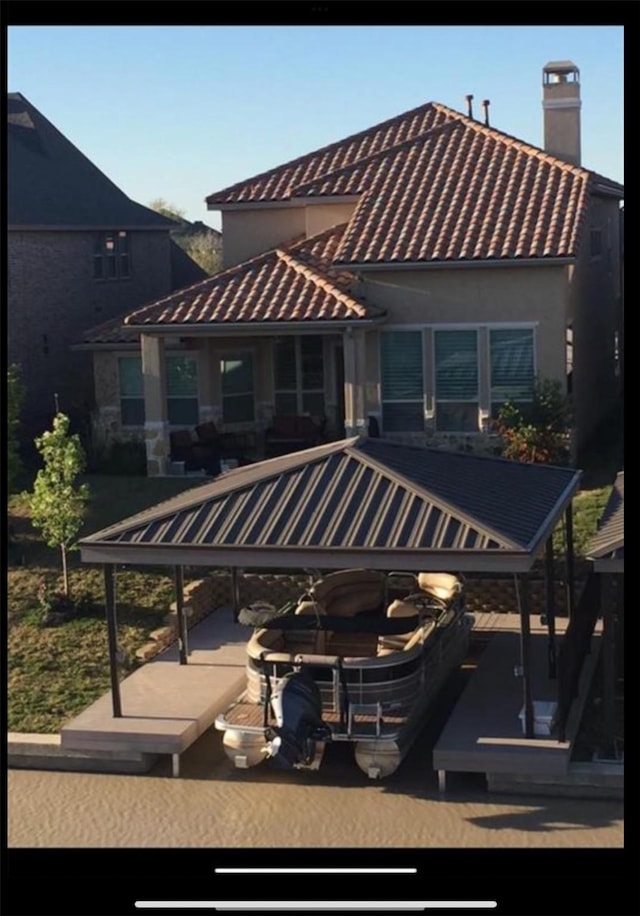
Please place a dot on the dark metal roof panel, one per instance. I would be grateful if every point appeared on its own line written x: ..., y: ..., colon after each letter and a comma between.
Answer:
x: 357, y: 494
x: 608, y: 541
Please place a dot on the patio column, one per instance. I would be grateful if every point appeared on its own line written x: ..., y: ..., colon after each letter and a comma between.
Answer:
x: 156, y: 426
x: 182, y: 620
x: 551, y: 612
x: 525, y: 653
x: 355, y: 421
x: 112, y: 636
x: 569, y: 561
x: 209, y: 408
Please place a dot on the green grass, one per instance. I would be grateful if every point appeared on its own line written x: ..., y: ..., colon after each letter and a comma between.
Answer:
x: 55, y: 672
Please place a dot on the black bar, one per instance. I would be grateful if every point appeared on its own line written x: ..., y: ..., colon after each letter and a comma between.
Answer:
x: 551, y: 613
x: 525, y: 640
x: 112, y: 634
x: 182, y: 619
x: 569, y: 561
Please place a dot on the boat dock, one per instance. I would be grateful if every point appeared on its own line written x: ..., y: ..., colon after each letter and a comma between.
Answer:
x: 167, y: 706
x: 483, y: 733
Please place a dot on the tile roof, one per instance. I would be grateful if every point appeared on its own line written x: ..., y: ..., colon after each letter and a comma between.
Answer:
x: 437, y: 186
x: 292, y: 283
x: 51, y: 183
x: 608, y: 541
x: 359, y: 495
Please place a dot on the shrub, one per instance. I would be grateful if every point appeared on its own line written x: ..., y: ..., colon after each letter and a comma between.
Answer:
x: 539, y: 431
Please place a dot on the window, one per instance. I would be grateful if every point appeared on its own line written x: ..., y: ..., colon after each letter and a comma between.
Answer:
x: 512, y: 370
x: 299, y: 376
x: 456, y: 378
x: 111, y: 256
x: 237, y: 388
x: 595, y: 243
x: 131, y: 390
x: 182, y: 390
x: 402, y: 377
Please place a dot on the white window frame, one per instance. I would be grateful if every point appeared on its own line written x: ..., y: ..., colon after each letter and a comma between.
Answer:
x: 184, y: 354
x: 300, y: 391
x: 515, y: 326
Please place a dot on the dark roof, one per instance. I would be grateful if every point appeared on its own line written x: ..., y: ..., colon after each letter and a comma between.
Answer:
x: 184, y: 270
x: 436, y: 186
x: 51, y: 183
x: 608, y: 542
x: 355, y: 502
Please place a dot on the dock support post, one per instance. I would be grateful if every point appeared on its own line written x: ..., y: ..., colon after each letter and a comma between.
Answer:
x: 525, y: 654
x: 182, y: 620
x: 442, y: 781
x: 112, y: 636
x: 551, y: 614
x: 569, y: 561
x: 236, y: 593
x: 175, y: 765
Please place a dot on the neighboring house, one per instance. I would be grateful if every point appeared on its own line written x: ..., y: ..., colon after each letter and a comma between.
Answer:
x: 419, y: 273
x: 79, y: 251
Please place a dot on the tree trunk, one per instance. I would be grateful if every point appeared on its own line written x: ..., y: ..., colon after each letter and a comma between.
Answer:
x: 65, y: 573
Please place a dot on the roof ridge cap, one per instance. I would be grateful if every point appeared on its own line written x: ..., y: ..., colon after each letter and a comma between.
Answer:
x: 322, y: 149
x: 511, y: 140
x: 323, y: 280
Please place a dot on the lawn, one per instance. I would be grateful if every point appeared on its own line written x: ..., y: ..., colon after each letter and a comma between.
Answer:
x: 55, y: 672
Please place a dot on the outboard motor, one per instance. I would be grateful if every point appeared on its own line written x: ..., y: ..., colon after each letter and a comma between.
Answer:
x: 297, y: 707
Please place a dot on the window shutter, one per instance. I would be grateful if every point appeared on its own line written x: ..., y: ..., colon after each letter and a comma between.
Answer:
x: 456, y: 355
x: 512, y: 375
x: 401, y: 366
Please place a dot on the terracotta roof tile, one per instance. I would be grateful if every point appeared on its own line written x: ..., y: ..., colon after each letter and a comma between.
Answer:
x: 293, y: 283
x: 435, y: 185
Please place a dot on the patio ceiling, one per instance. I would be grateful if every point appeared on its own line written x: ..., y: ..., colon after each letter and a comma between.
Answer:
x: 357, y: 502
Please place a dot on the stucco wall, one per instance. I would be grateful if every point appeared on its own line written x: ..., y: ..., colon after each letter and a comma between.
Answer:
x: 53, y: 298
x: 247, y: 233
x: 595, y: 291
x: 323, y: 216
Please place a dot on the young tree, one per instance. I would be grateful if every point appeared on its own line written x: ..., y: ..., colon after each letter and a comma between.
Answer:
x: 14, y: 404
x: 57, y: 502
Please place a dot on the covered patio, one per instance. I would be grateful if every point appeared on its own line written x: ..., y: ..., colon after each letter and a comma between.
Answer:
x: 359, y: 502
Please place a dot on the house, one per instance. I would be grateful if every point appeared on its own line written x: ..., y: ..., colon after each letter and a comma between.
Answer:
x: 79, y: 251
x: 409, y: 278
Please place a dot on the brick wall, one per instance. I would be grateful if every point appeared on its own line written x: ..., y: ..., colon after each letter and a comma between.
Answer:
x: 53, y: 298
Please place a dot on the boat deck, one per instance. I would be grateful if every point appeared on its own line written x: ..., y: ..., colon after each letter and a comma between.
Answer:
x: 251, y: 715
x: 167, y: 706
x: 483, y: 733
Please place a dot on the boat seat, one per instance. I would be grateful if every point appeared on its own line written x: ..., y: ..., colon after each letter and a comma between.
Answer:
x: 313, y: 641
x: 349, y: 592
x: 399, y: 642
x: 441, y: 585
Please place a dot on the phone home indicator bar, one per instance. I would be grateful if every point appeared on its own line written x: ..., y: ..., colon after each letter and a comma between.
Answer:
x: 245, y: 905
x: 316, y: 871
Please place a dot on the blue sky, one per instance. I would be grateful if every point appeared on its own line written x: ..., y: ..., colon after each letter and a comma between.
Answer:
x: 180, y: 111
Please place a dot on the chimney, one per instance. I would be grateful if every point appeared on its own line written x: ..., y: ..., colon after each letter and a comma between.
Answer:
x: 469, y: 99
x: 485, y: 105
x: 561, y: 110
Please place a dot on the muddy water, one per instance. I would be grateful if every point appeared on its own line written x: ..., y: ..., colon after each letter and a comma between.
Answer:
x: 212, y: 806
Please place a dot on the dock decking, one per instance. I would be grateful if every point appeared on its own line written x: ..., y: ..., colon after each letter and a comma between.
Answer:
x: 483, y: 733
x: 167, y: 706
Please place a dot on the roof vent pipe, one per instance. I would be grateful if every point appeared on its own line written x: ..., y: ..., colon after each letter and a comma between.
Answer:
x: 469, y: 99
x: 485, y: 105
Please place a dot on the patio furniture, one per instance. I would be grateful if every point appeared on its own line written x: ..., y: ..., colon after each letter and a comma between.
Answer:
x: 291, y: 433
x: 195, y: 455
x: 227, y: 445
